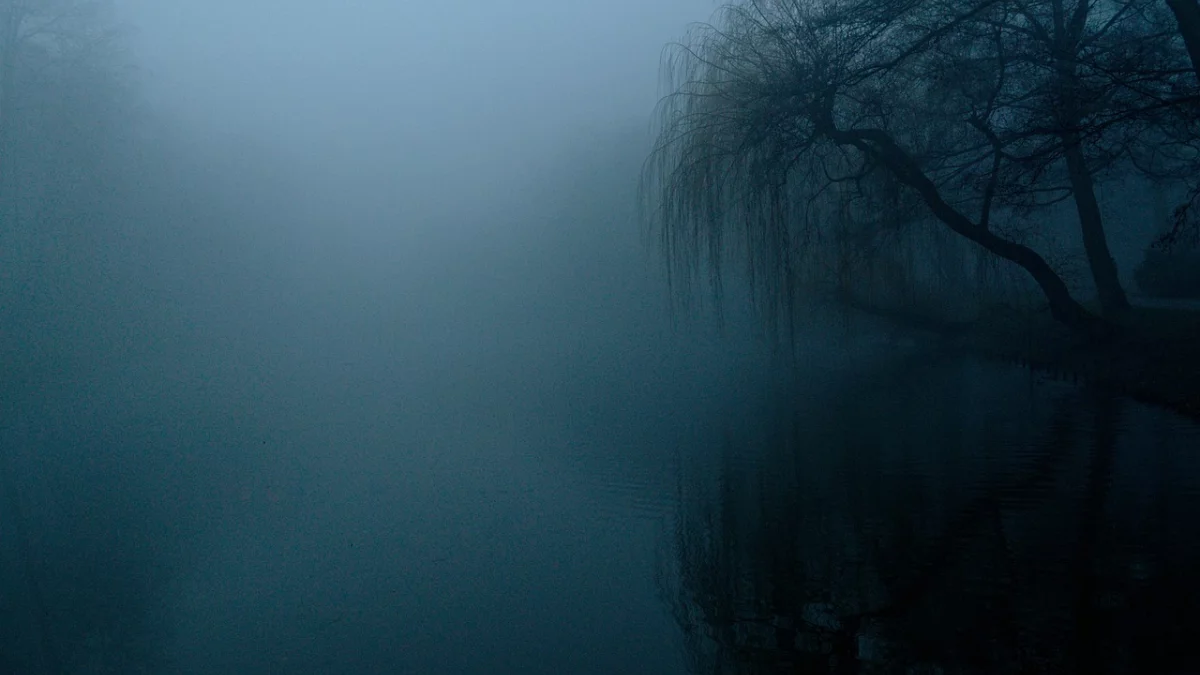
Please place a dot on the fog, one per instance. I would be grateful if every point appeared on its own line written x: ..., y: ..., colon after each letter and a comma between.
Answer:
x: 434, y: 94
x: 333, y: 342
x: 303, y: 379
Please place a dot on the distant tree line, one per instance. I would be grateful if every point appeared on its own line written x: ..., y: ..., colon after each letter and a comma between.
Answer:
x: 74, y: 592
x: 65, y: 99
x: 800, y: 132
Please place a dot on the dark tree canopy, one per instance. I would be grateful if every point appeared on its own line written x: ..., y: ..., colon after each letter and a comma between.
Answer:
x: 790, y: 125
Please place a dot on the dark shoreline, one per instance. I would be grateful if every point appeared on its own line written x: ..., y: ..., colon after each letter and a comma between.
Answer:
x: 1154, y: 357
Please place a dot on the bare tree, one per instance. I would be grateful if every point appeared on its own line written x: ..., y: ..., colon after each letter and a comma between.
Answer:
x: 780, y: 100
x: 1185, y: 226
x: 1089, y: 82
x: 969, y: 106
x: 1187, y: 14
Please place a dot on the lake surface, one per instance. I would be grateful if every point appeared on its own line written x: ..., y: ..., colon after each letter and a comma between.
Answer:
x: 944, y: 516
x: 326, y: 454
x: 876, y: 510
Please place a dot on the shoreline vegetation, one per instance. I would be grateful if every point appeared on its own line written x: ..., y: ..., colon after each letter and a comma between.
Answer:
x: 941, y: 158
x: 1153, y: 356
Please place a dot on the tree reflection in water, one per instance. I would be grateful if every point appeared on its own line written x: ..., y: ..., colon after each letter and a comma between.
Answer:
x: 898, y: 527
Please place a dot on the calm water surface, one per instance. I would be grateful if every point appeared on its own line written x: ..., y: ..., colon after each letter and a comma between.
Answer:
x: 942, y: 516
x: 885, y: 512
x: 516, y: 470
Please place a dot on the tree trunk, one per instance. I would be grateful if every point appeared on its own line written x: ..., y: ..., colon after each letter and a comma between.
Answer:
x: 1104, y: 269
x: 880, y: 145
x: 1066, y: 48
x: 1187, y: 14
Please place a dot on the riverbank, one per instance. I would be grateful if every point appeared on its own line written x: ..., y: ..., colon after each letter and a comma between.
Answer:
x: 1153, y: 358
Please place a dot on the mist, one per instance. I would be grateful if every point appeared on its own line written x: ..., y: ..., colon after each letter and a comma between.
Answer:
x: 336, y: 340
x: 352, y: 276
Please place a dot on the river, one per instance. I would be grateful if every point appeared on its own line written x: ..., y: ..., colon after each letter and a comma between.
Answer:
x: 876, y: 507
x: 294, y: 450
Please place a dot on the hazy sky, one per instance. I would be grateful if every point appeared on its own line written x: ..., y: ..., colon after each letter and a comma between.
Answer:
x: 449, y: 83
x: 389, y: 275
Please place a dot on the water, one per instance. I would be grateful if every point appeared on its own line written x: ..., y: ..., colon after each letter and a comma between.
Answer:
x: 456, y: 463
x: 943, y: 516
x: 881, y: 514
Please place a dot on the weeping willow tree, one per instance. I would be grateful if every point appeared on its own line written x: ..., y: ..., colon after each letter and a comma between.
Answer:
x: 734, y: 176
x: 800, y: 136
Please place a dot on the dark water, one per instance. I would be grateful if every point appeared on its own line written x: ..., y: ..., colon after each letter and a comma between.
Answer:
x: 944, y: 516
x: 887, y: 512
x: 453, y: 461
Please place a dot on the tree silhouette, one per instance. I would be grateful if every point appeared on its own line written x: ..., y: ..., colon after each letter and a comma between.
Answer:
x: 789, y: 123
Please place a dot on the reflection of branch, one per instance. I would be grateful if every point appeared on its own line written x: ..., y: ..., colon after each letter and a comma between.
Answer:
x: 1009, y: 616
x: 1040, y: 473
x: 1084, y: 572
